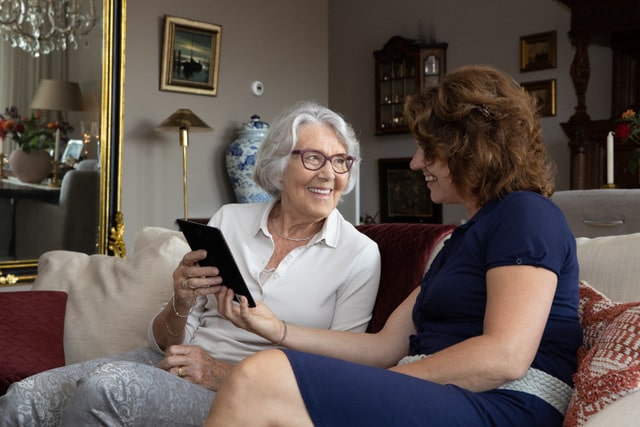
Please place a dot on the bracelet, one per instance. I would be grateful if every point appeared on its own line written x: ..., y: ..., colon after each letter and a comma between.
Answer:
x: 166, y: 324
x: 173, y: 303
x: 284, y: 335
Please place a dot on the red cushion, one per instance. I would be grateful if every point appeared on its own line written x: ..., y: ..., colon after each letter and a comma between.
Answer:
x: 405, y: 250
x: 31, y: 331
x: 609, y: 358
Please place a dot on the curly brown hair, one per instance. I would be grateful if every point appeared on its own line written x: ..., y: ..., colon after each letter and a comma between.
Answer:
x: 487, y: 129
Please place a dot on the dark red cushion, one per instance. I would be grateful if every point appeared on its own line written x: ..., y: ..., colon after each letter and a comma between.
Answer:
x: 405, y: 250
x: 31, y: 334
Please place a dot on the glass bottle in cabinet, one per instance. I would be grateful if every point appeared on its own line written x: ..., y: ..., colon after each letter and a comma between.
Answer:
x: 403, y: 67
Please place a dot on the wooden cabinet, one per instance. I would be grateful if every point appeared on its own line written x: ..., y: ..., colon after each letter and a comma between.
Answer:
x: 403, y: 67
x: 613, y: 23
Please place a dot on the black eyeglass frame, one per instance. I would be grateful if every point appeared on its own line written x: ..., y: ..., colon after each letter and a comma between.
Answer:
x: 349, y: 160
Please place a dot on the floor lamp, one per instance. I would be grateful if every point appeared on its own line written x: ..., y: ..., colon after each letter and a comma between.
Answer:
x: 184, y: 121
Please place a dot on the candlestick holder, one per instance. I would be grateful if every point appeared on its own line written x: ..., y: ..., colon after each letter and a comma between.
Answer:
x: 612, y: 185
x: 54, y: 177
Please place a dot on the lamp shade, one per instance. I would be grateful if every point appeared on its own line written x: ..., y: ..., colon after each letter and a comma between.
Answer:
x: 58, y: 95
x: 184, y: 118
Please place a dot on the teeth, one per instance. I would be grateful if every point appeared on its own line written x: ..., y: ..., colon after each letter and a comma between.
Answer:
x: 429, y: 178
x: 320, y: 191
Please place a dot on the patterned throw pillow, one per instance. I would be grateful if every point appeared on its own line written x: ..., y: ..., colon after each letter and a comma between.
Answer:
x: 609, y: 358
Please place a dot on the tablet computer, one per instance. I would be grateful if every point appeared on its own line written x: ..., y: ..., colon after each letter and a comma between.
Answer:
x: 200, y: 236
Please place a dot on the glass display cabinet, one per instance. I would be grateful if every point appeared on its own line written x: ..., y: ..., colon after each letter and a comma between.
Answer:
x: 402, y: 67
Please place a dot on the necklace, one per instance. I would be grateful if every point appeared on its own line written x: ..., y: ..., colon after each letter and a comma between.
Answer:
x: 291, y: 239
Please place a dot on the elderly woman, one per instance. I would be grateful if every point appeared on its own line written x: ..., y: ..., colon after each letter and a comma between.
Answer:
x: 489, y: 338
x: 296, y: 253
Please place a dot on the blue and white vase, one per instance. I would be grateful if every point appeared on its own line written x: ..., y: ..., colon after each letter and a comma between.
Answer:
x: 241, y: 161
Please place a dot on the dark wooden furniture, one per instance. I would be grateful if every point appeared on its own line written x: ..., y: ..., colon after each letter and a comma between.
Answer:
x: 15, y: 191
x: 613, y: 23
x: 402, y: 67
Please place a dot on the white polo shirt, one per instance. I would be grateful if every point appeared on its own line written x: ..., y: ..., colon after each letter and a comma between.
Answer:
x: 330, y: 283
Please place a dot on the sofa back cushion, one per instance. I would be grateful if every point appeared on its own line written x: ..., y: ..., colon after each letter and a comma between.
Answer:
x: 112, y: 300
x: 610, y: 264
x: 406, y: 250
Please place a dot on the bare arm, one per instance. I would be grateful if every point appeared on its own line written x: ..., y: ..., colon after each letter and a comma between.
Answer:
x: 382, y: 349
x: 189, y: 281
x: 519, y: 300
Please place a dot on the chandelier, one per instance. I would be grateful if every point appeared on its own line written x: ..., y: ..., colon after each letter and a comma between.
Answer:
x: 42, y: 26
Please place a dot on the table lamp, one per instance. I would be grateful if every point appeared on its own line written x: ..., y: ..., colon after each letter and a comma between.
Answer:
x: 58, y: 96
x: 184, y: 121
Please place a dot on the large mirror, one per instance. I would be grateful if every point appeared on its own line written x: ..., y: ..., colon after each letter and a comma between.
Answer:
x: 110, y: 226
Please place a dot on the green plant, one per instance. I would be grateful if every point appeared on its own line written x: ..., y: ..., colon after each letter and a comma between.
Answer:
x: 31, y: 132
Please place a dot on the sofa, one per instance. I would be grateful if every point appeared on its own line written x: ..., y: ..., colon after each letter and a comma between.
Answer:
x: 98, y: 305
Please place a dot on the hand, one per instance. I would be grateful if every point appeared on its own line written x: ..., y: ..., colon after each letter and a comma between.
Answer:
x: 193, y: 364
x: 260, y: 320
x: 190, y: 280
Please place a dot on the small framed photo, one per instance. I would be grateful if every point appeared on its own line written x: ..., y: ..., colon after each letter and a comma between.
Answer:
x: 545, y: 93
x: 538, y: 51
x: 190, y: 56
x: 72, y: 151
x: 404, y: 196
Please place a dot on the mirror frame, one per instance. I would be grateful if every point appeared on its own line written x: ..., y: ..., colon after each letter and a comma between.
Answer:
x: 110, y: 223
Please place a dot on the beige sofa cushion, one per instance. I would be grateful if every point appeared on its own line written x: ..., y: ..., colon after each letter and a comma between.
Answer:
x: 111, y: 300
x: 610, y: 264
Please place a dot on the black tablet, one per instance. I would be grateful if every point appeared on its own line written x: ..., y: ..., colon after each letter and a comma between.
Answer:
x: 200, y: 236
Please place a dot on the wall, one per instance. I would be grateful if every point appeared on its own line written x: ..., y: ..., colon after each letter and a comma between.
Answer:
x: 318, y: 50
x: 477, y: 32
x: 284, y: 45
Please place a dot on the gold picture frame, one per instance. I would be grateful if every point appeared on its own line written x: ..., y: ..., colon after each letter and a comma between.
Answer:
x: 545, y: 93
x: 538, y: 51
x: 190, y: 56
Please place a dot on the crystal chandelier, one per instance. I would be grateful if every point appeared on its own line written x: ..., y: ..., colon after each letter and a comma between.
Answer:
x: 41, y: 26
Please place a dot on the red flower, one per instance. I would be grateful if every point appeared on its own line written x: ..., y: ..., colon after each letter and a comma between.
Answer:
x: 622, y: 130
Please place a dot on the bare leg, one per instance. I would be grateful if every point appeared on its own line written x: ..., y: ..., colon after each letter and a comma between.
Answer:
x: 261, y: 390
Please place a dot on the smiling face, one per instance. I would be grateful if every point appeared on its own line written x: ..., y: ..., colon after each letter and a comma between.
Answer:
x: 312, y: 195
x: 438, y: 178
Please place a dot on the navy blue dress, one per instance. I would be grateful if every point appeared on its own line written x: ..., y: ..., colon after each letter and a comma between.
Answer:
x: 523, y: 228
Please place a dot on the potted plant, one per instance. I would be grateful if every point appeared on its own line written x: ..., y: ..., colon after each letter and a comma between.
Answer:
x: 34, y: 138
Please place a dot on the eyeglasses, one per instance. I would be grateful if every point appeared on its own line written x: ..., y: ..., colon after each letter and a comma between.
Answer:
x: 315, y: 160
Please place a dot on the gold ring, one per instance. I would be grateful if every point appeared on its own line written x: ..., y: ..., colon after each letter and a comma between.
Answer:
x: 180, y: 372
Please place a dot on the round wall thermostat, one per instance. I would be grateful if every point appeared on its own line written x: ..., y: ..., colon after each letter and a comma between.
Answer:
x: 257, y: 88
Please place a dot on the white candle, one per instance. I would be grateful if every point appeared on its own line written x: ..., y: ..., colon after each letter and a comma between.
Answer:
x: 610, y: 158
x: 57, y: 146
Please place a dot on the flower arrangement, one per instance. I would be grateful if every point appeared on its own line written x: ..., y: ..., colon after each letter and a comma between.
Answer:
x: 628, y: 129
x: 31, y: 132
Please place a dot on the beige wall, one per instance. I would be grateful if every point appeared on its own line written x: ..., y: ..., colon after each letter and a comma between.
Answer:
x: 282, y: 43
x: 477, y: 32
x: 318, y: 50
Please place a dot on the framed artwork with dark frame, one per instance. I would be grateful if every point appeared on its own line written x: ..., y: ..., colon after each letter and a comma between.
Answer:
x: 404, y: 196
x: 538, y: 51
x: 545, y: 93
x: 190, y: 56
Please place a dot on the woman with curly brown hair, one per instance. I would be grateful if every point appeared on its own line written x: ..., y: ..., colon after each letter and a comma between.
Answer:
x: 489, y: 338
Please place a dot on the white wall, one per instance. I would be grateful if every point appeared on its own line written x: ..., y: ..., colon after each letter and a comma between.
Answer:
x: 477, y: 32
x: 284, y: 45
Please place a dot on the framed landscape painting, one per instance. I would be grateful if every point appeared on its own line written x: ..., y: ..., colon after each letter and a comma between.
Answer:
x: 190, y: 56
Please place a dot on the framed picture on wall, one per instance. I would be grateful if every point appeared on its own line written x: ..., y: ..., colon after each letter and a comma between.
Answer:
x: 538, y: 51
x: 190, y: 56
x: 404, y: 196
x: 545, y: 92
